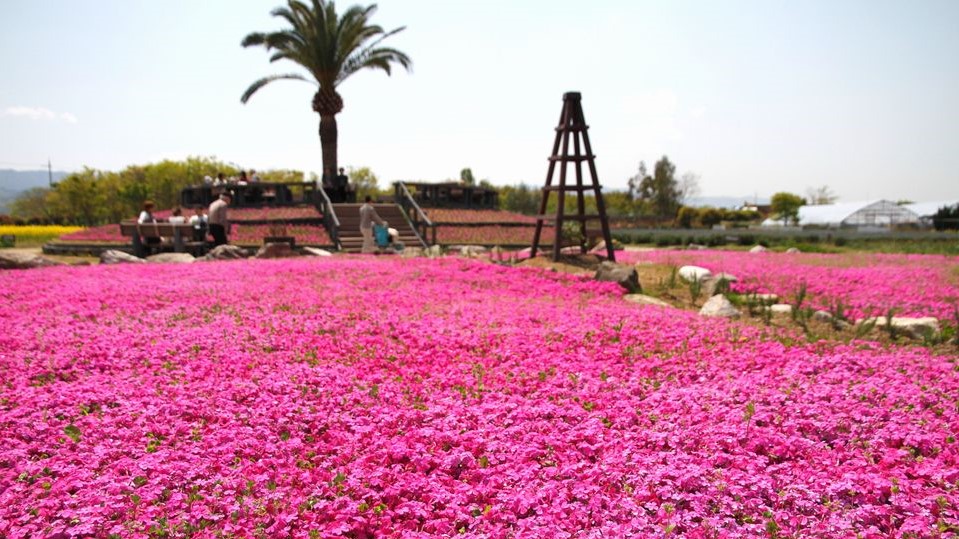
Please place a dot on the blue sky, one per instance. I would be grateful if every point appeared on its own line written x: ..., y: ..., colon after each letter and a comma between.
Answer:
x: 754, y: 96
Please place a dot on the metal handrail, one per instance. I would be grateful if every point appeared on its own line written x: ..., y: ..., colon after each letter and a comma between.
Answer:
x: 330, y: 220
x: 419, y: 211
x: 419, y: 219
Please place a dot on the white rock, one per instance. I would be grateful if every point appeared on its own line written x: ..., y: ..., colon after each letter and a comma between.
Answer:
x: 793, y: 250
x: 916, y: 326
x: 758, y: 249
x: 781, y: 308
x: 694, y: 273
x: 112, y: 256
x: 767, y: 298
x: 314, y: 251
x: 643, y: 299
x: 719, y: 306
x: 172, y: 258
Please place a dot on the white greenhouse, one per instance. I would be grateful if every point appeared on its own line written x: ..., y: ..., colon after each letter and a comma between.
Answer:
x: 873, y: 214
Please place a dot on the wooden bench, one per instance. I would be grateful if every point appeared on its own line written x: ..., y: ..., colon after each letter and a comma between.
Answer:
x: 181, y: 234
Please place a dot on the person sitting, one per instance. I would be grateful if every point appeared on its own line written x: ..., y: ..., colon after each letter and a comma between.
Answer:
x: 177, y: 217
x: 198, y: 220
x: 146, y: 218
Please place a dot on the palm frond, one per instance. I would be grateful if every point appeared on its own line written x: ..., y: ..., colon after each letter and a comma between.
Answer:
x: 266, y: 80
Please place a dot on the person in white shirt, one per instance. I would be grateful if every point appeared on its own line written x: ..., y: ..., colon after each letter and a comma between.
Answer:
x: 198, y: 220
x: 146, y: 216
x: 177, y: 218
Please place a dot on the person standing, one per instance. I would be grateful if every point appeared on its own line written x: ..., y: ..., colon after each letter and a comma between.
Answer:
x: 342, y: 180
x: 368, y: 216
x: 217, y: 218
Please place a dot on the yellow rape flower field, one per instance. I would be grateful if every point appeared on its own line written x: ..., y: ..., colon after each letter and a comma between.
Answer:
x: 34, y: 235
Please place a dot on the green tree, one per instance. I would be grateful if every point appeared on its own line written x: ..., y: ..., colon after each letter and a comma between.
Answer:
x: 661, y: 189
x: 33, y: 204
x: 466, y: 176
x: 331, y: 47
x: 365, y: 181
x: 786, y: 207
x: 520, y: 199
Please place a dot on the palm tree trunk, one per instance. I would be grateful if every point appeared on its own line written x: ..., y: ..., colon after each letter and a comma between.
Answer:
x: 328, y: 135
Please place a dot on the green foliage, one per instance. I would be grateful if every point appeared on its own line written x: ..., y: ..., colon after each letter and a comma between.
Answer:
x: 92, y: 197
x: 331, y: 47
x: 520, y: 199
x: 947, y: 218
x: 466, y: 176
x: 365, y: 182
x: 661, y: 189
x: 786, y: 206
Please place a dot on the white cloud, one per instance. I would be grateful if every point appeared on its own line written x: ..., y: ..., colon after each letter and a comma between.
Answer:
x: 39, y: 113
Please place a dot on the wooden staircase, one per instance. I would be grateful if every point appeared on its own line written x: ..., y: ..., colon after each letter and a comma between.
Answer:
x: 351, y: 241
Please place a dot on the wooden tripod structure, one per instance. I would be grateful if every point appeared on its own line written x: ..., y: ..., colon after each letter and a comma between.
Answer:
x: 572, y: 125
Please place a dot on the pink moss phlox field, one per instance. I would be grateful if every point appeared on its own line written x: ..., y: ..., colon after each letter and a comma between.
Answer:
x: 866, y: 284
x: 380, y: 397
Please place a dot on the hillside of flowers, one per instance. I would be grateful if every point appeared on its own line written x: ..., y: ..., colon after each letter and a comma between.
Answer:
x: 382, y: 397
x: 491, y: 235
x: 864, y: 283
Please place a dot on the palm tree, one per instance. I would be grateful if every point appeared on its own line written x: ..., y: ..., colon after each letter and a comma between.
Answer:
x: 331, y: 48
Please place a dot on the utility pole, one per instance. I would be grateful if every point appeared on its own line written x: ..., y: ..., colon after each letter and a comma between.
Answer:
x: 49, y: 172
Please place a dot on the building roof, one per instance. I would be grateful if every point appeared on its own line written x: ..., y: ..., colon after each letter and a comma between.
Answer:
x: 929, y: 209
x: 830, y: 214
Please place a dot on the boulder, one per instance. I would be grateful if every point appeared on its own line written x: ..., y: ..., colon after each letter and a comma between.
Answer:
x: 226, y: 252
x: 696, y: 247
x: 434, y: 251
x: 766, y: 298
x: 19, y: 260
x: 793, y: 250
x: 626, y: 276
x: 645, y: 300
x: 314, y: 251
x: 470, y: 250
x: 827, y: 317
x: 781, y: 308
x: 719, y: 306
x: 758, y: 249
x: 275, y: 250
x: 694, y: 273
x: 172, y: 258
x: 711, y: 283
x: 112, y: 256
x: 915, y: 327
x: 412, y: 252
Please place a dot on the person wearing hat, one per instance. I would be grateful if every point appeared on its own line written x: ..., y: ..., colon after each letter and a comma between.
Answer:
x: 217, y: 219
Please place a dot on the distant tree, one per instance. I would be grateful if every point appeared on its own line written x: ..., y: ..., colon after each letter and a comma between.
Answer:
x: 365, y: 181
x: 519, y: 198
x: 637, y: 180
x: 331, y: 47
x: 710, y: 216
x: 33, y: 204
x: 947, y: 218
x: 688, y: 186
x: 821, y: 195
x: 686, y: 216
x: 661, y: 189
x: 466, y: 176
x: 786, y: 206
